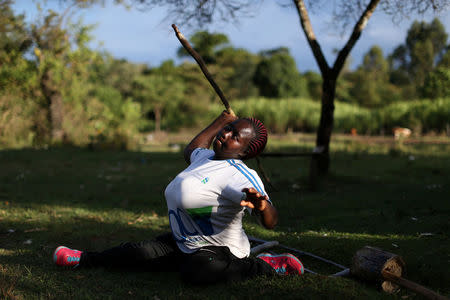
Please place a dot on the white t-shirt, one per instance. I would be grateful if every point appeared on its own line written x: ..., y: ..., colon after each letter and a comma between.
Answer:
x: 204, y: 203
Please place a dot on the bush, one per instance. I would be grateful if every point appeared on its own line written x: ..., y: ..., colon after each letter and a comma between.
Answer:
x: 16, y: 122
x: 421, y: 115
x: 437, y: 83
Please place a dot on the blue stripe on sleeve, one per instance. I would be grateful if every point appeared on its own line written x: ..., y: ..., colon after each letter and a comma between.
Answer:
x: 247, y: 174
x: 244, y: 169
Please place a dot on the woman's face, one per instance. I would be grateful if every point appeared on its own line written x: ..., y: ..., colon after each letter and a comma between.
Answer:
x: 232, y: 140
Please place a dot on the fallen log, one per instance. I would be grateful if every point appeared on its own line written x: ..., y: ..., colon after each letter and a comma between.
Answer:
x: 375, y: 265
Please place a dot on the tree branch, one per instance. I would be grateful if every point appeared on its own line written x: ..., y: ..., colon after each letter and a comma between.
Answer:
x: 311, y: 37
x: 202, y: 66
x: 359, y: 27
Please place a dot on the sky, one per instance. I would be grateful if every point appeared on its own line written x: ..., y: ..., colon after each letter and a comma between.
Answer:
x: 147, y: 36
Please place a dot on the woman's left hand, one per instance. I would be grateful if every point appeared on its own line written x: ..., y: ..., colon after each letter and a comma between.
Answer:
x: 254, y: 200
x: 227, y: 117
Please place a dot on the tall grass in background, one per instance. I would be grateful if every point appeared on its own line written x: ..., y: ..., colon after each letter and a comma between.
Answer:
x: 298, y: 114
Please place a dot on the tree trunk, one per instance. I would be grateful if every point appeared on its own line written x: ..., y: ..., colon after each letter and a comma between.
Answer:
x: 157, y: 111
x: 57, y: 116
x: 320, y: 160
x: 54, y: 106
x: 326, y: 125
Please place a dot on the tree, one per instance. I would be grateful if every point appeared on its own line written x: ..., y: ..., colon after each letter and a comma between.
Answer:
x: 118, y: 73
x: 58, y: 93
x: 52, y: 46
x: 15, y: 41
x: 14, y: 36
x: 156, y: 89
x: 276, y: 75
x: 236, y: 69
x: 445, y: 60
x: 206, y: 44
x: 17, y: 80
x: 424, y: 47
x: 233, y: 69
x: 365, y: 9
x: 371, y: 86
x: 314, y: 84
x: 437, y: 83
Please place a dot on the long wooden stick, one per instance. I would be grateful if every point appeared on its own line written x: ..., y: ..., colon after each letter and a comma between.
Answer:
x: 202, y: 66
x: 427, y: 293
x: 208, y: 76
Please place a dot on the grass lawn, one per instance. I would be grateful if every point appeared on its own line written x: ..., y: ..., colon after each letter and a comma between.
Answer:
x: 378, y: 193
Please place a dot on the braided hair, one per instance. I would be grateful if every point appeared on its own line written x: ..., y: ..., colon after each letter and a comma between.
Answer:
x: 259, y: 141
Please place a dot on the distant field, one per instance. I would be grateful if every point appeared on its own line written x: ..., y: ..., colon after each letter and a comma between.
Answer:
x: 383, y: 193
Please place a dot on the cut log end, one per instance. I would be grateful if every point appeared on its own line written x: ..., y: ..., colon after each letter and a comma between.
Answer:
x: 369, y: 262
x: 395, y: 265
x: 390, y: 287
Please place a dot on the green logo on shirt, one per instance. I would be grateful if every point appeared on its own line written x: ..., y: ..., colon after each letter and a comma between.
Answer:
x: 205, y: 180
x: 202, y: 216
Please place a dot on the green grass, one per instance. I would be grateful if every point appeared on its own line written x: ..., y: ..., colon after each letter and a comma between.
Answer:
x: 378, y: 193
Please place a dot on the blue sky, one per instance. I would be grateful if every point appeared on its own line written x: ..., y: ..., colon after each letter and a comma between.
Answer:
x: 147, y: 37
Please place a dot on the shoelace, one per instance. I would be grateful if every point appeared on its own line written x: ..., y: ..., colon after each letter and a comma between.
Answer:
x: 281, y: 269
x: 73, y: 258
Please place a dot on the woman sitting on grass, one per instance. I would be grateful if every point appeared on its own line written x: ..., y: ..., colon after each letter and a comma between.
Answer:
x: 206, y: 203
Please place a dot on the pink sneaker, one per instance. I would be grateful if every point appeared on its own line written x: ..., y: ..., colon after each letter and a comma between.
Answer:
x: 283, y: 264
x: 66, y: 257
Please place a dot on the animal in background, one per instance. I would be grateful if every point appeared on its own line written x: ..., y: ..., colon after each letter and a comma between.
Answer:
x: 400, y: 132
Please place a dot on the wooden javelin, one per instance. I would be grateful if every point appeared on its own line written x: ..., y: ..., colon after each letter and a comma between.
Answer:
x: 219, y: 92
x: 202, y: 66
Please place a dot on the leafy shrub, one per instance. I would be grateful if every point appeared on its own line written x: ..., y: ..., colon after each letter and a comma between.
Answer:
x: 16, y: 122
x: 422, y: 115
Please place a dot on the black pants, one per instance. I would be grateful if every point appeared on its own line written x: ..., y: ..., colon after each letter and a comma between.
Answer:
x: 207, y: 265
